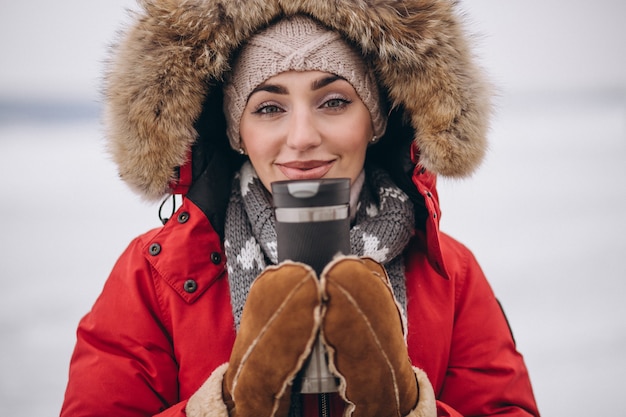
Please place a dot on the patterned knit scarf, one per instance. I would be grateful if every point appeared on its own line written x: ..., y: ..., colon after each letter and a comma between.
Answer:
x: 381, y: 230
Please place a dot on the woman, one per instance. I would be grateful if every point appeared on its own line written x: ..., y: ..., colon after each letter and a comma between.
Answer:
x: 216, y: 100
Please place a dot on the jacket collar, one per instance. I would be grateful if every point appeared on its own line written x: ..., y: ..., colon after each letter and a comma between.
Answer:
x: 426, y: 184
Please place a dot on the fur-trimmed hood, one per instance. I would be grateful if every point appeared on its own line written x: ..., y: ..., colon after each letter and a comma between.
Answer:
x: 168, y: 67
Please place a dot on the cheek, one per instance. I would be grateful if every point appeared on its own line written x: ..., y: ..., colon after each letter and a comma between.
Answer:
x: 351, y: 143
x: 355, y: 137
x: 356, y: 141
x: 261, y: 151
x: 259, y: 155
x: 255, y: 140
x: 246, y: 133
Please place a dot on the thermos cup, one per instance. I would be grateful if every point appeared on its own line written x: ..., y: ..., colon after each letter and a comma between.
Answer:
x: 312, y: 226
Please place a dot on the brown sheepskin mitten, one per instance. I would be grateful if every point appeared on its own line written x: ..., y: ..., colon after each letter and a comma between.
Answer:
x: 279, y: 323
x: 364, y: 333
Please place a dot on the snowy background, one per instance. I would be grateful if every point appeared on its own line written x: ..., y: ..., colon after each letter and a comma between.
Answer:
x: 545, y: 215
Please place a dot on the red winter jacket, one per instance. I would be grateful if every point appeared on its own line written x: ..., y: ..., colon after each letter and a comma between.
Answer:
x: 163, y: 323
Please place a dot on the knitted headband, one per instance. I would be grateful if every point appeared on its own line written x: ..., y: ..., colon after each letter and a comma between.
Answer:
x: 297, y: 43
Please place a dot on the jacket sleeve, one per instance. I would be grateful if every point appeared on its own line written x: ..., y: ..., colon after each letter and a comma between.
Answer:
x: 123, y: 362
x: 485, y: 375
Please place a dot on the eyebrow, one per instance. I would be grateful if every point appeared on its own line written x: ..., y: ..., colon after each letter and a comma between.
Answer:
x: 323, y: 82
x: 279, y: 89
x: 270, y: 88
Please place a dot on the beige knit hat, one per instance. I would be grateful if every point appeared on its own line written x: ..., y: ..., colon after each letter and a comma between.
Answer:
x: 297, y: 43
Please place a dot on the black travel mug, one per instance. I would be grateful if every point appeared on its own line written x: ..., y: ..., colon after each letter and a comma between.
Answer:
x: 312, y: 227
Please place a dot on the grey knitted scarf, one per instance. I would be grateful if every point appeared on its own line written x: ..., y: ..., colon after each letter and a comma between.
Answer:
x: 381, y: 229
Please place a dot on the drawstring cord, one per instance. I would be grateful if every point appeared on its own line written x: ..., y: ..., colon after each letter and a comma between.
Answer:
x: 161, y: 217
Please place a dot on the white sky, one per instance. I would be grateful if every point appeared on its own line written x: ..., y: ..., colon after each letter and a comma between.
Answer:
x: 56, y: 48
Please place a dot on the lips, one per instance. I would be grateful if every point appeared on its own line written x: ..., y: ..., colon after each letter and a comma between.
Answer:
x: 305, y: 170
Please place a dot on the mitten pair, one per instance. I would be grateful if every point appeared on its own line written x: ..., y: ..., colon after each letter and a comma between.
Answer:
x: 352, y: 308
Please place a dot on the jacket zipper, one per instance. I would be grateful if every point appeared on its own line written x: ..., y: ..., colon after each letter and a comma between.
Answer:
x: 324, y: 409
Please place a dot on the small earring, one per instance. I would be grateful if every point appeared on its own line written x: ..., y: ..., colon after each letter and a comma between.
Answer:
x: 374, y: 139
x: 241, y: 151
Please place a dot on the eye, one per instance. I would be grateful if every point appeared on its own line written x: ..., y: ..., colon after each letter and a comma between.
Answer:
x: 336, y: 103
x: 267, y: 108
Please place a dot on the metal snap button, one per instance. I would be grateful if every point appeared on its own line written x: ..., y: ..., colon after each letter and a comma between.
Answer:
x: 190, y: 286
x: 154, y: 249
x: 183, y: 217
x: 216, y: 258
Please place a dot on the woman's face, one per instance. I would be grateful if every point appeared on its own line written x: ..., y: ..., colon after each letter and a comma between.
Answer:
x: 305, y: 125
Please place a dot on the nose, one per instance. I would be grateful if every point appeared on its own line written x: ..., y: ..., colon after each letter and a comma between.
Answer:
x: 303, y: 133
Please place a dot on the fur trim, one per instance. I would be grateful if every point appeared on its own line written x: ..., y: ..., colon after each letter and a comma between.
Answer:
x: 167, y: 62
x: 427, y: 402
x: 207, y: 401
